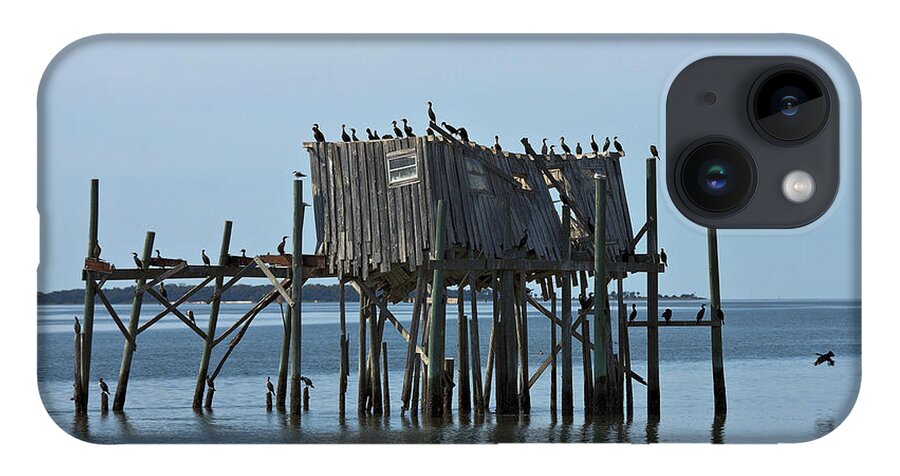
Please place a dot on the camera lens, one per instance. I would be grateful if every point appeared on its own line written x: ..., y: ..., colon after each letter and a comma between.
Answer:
x: 789, y: 104
x: 717, y: 176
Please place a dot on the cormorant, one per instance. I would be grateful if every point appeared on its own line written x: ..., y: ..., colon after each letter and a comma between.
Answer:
x: 269, y: 387
x: 243, y: 253
x: 157, y: 254
x: 823, y: 358
x: 450, y: 128
x: 407, y: 128
x: 306, y: 381
x: 633, y: 315
x: 585, y: 301
x: 524, y: 240
x: 701, y: 312
x: 497, y: 148
x: 667, y: 314
x: 618, y: 147
x: 431, y: 115
x: 429, y: 131
x: 594, y: 146
x: 344, y: 136
x: 397, y: 132
x: 190, y: 316
x: 104, y: 388
x: 163, y: 292
x: 654, y: 152
x: 318, y: 134
x: 77, y: 326
x: 578, y: 149
x: 387, y: 136
x: 210, y: 383
x: 137, y: 261
x: 720, y: 314
x: 204, y: 257
x: 372, y: 135
x: 544, y: 146
x: 606, y: 146
x: 663, y: 257
x: 463, y: 135
x: 298, y: 174
x: 281, y: 245
x: 563, y: 146
x: 353, y: 135
x: 552, y: 153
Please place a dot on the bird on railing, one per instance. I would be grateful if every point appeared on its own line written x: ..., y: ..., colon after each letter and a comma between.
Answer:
x: 344, y: 136
x: 210, y: 383
x: 578, y: 149
x: 564, y: 146
x: 667, y: 314
x: 353, y: 135
x: 497, y: 148
x: 605, y: 150
x: 594, y: 147
x: 306, y: 381
x: 407, y: 128
x: 654, y: 152
x: 317, y: 134
x: 463, y: 135
x: 298, y: 174
x: 371, y: 135
x: 633, y: 315
x: 701, y: 312
x: 397, y: 132
x: 104, y: 388
x: 163, y: 292
x: 204, y: 257
x: 544, y: 146
x: 618, y: 147
x: 431, y: 116
x: 137, y: 261
x: 281, y: 245
x: 77, y: 326
x: 663, y: 258
x: 450, y: 128
x: 270, y: 389
x: 190, y: 316
x: 823, y: 358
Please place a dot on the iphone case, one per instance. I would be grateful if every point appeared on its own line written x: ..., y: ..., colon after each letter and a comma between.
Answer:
x: 401, y: 261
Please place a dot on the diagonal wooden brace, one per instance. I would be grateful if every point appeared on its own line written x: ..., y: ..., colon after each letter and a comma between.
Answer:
x: 162, y: 277
x: 265, y: 269
x: 165, y: 302
x: 363, y: 289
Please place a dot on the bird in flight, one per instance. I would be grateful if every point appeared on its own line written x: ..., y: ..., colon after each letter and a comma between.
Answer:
x: 825, y: 358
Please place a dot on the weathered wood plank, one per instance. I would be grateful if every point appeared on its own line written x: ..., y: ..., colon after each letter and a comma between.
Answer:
x: 274, y: 281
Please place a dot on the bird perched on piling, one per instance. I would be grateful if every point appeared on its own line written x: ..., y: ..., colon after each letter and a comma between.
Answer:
x: 564, y: 146
x: 137, y: 261
x: 371, y: 135
x: 701, y: 312
x: 823, y: 358
x: 594, y: 147
x: 317, y: 134
x: 281, y: 245
x: 585, y: 301
x: 190, y: 316
x: 663, y: 258
x: 270, y: 389
x: 654, y: 152
x: 544, y: 148
x: 204, y: 257
x: 431, y: 115
x: 497, y: 148
x: 298, y: 174
x: 210, y: 383
x: 618, y: 147
x: 104, y: 388
x: 407, y: 128
x: 605, y: 150
x: 397, y: 132
x: 77, y: 326
x: 720, y: 314
x: 667, y: 315
x: 306, y: 381
x: 353, y: 135
x: 578, y: 149
x: 463, y: 135
x: 163, y: 292
x: 633, y: 314
x: 450, y: 128
x: 344, y: 136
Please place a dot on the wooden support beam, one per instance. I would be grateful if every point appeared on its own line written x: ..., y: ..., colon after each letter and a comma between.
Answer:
x: 177, y: 313
x: 374, y: 362
x: 475, y: 351
x: 411, y: 348
x: 362, y: 288
x: 231, y: 282
x: 565, y: 325
x: 163, y: 276
x: 115, y: 316
x: 203, y: 367
x: 505, y: 341
x: 216, y: 271
x: 601, y: 303
x: 128, y: 350
x: 718, y: 359
x: 231, y: 346
x: 363, y: 370
x: 464, y: 403
x: 87, y: 337
x: 492, y: 344
x: 653, y: 393
x: 637, y: 238
x: 263, y: 303
x: 625, y: 347
x: 524, y: 393
x: 385, y: 382
x: 436, y: 321
x: 671, y: 324
x: 181, y: 299
x: 553, y: 345
x: 296, y: 298
x: 344, y: 366
x: 265, y: 269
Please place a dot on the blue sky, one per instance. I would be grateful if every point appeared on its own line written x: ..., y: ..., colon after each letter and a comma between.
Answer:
x: 187, y: 132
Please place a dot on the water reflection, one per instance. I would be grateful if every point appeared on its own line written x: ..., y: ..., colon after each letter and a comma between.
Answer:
x: 717, y: 433
x: 652, y: 429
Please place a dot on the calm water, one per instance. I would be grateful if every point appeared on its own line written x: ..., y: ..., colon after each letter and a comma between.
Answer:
x: 775, y: 394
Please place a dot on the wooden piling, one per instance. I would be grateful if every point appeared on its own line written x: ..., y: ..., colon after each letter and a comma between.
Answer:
x: 77, y: 389
x: 133, y: 321
x: 203, y: 369
x: 90, y: 290
x: 553, y: 376
x: 284, y: 362
x: 305, y: 399
x: 522, y: 341
x: 375, y: 359
x: 653, y: 393
x: 268, y: 401
x: 586, y: 367
x: 492, y: 343
x: 436, y: 321
x: 475, y: 352
x: 385, y: 384
x: 412, y: 357
x: 446, y: 386
x: 566, y: 317
x: 505, y: 355
x: 344, y: 366
x: 601, y: 318
x: 209, y: 398
x: 296, y: 295
x: 414, y: 400
x: 363, y: 370
x: 464, y: 400
x: 625, y: 347
x: 104, y: 402
x: 718, y: 364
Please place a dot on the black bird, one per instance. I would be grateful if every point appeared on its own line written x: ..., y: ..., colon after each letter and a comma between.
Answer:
x: 654, y: 152
x: 823, y: 358
x: 407, y: 128
x: 298, y: 174
x: 104, y: 388
x: 281, y: 245
x: 397, y: 132
x: 353, y: 135
x: 618, y: 147
x: 585, y: 301
x: 497, y: 148
x: 269, y: 387
x: 344, y: 136
x: 306, y: 381
x: 157, y: 254
x: 372, y: 135
x: 720, y: 314
x: 633, y: 315
x: 463, y: 135
x: 163, y: 292
x: 318, y: 134
x: 663, y: 257
x: 578, y: 149
x: 524, y: 240
x: 77, y: 326
x: 431, y: 115
x: 243, y: 253
x: 429, y: 131
x: 667, y: 314
x: 204, y: 257
x: 97, y: 250
x: 387, y: 136
x: 544, y: 146
x: 210, y: 383
x: 191, y: 317
x: 606, y: 146
x: 594, y: 146
x: 701, y: 312
x: 137, y: 261
x: 552, y: 153
x: 450, y: 128
x: 563, y: 146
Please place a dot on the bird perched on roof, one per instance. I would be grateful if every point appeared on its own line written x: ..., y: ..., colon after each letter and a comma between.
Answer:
x: 158, y: 256
x: 344, y: 136
x: 298, y: 174
x: 204, y: 257
x: 463, y: 135
x: 407, y: 128
x: 306, y: 381
x: 633, y: 314
x: 701, y: 312
x: 269, y: 387
x: 578, y: 149
x: 544, y: 146
x: 317, y: 134
x: 823, y: 358
x: 163, y: 292
x: 663, y: 257
x: 450, y: 128
x: 605, y: 150
x: 654, y: 152
x: 497, y: 148
x: 594, y: 147
x: 387, y: 136
x: 618, y: 147
x: 667, y: 315
x: 210, y: 383
x: 371, y: 135
x: 552, y: 153
x: 137, y: 261
x: 281, y: 245
x: 431, y: 115
x: 77, y: 326
x: 563, y: 146
x: 190, y: 316
x: 397, y: 132
x: 104, y: 388
x: 353, y: 135
x: 243, y: 253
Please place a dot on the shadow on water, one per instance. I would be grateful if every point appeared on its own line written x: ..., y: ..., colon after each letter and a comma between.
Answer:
x: 717, y: 433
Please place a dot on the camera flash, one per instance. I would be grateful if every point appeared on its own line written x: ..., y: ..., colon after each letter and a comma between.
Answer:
x: 798, y: 186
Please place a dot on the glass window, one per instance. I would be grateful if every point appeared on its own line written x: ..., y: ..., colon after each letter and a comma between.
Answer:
x: 478, y: 180
x: 403, y: 167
